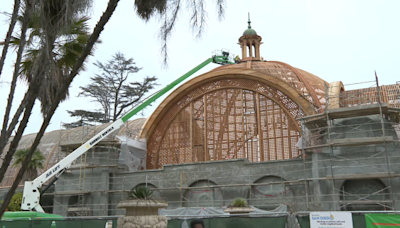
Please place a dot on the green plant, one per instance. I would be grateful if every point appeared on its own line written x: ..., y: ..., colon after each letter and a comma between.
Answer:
x: 15, y: 203
x: 239, y: 202
x: 141, y: 192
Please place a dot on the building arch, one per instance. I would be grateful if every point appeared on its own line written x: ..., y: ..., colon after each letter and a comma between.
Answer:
x: 364, y: 195
x: 203, y: 197
x: 176, y: 131
x: 223, y: 73
x: 269, y: 192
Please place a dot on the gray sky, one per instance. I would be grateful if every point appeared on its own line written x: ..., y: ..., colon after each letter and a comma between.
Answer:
x: 333, y: 39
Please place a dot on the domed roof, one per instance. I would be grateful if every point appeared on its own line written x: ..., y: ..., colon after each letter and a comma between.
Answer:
x: 308, y: 85
x: 249, y: 31
x: 51, y: 143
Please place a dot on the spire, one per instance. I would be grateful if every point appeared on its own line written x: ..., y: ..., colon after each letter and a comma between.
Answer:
x: 249, y: 22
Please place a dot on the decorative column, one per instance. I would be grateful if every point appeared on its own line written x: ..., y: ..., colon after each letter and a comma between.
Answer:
x: 244, y: 49
x: 257, y: 48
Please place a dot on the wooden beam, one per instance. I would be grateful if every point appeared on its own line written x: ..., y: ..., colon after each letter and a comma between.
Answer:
x: 260, y: 132
x: 191, y: 130
x: 205, y: 122
x: 243, y: 127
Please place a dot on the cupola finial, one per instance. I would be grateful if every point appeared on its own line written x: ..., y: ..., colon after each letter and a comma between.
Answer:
x: 249, y: 22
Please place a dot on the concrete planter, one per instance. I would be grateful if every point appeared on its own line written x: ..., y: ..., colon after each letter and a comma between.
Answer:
x: 238, y: 210
x: 142, y: 214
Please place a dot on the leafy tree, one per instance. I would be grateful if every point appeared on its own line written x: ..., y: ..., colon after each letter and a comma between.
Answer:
x: 35, y: 163
x: 47, y: 81
x: 85, y: 118
x: 112, y: 88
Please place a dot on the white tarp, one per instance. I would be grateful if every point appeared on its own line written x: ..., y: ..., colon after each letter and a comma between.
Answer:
x: 187, y: 212
x: 133, y: 153
x: 196, y: 212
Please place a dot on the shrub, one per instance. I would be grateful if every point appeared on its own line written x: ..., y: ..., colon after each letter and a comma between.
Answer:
x: 141, y: 192
x: 239, y: 202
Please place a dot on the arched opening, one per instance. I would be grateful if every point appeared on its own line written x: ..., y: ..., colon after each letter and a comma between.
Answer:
x: 364, y: 195
x: 270, y: 192
x: 203, y: 195
x: 250, y: 50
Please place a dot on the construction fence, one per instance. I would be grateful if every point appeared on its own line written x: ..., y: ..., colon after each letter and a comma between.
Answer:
x: 360, y: 219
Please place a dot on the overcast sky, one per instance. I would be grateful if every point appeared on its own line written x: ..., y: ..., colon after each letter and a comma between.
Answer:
x: 333, y: 39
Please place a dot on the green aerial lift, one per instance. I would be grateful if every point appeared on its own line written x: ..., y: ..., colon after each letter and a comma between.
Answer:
x: 31, y: 194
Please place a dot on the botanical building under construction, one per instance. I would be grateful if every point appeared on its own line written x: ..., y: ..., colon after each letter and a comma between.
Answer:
x: 262, y: 130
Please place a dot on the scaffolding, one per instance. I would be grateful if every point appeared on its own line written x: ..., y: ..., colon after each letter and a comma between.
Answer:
x: 352, y: 142
x: 349, y: 144
x: 367, y: 118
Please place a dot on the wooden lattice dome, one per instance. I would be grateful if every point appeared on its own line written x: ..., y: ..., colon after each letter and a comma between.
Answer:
x: 247, y: 110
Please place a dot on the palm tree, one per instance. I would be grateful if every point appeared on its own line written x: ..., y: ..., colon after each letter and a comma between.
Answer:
x: 35, y: 163
x: 55, y: 15
x: 65, y: 50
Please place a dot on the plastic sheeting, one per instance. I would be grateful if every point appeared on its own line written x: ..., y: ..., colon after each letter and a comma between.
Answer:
x: 133, y: 153
x: 188, y: 213
x: 235, y: 222
x: 195, y: 212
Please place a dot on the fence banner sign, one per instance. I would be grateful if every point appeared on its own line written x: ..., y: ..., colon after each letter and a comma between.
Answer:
x: 331, y: 220
x: 382, y: 220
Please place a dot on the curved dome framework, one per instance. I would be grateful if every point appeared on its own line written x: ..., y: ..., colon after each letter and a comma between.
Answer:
x: 70, y: 139
x: 226, y: 114
x: 306, y: 84
x: 245, y: 110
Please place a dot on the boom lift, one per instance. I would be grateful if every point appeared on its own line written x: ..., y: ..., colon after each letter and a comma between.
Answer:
x: 31, y: 194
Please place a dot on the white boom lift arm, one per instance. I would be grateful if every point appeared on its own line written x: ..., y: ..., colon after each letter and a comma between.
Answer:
x: 31, y: 194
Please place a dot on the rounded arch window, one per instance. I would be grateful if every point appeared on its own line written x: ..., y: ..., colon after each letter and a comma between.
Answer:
x: 203, y: 195
x: 364, y: 195
x: 270, y: 192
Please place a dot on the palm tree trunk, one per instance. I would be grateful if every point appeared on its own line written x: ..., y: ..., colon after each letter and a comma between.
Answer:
x: 10, y: 153
x: 13, y: 146
x: 112, y: 4
x: 17, y: 64
x: 9, y: 33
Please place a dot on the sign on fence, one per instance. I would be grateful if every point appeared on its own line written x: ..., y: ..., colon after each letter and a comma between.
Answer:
x: 331, y: 220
